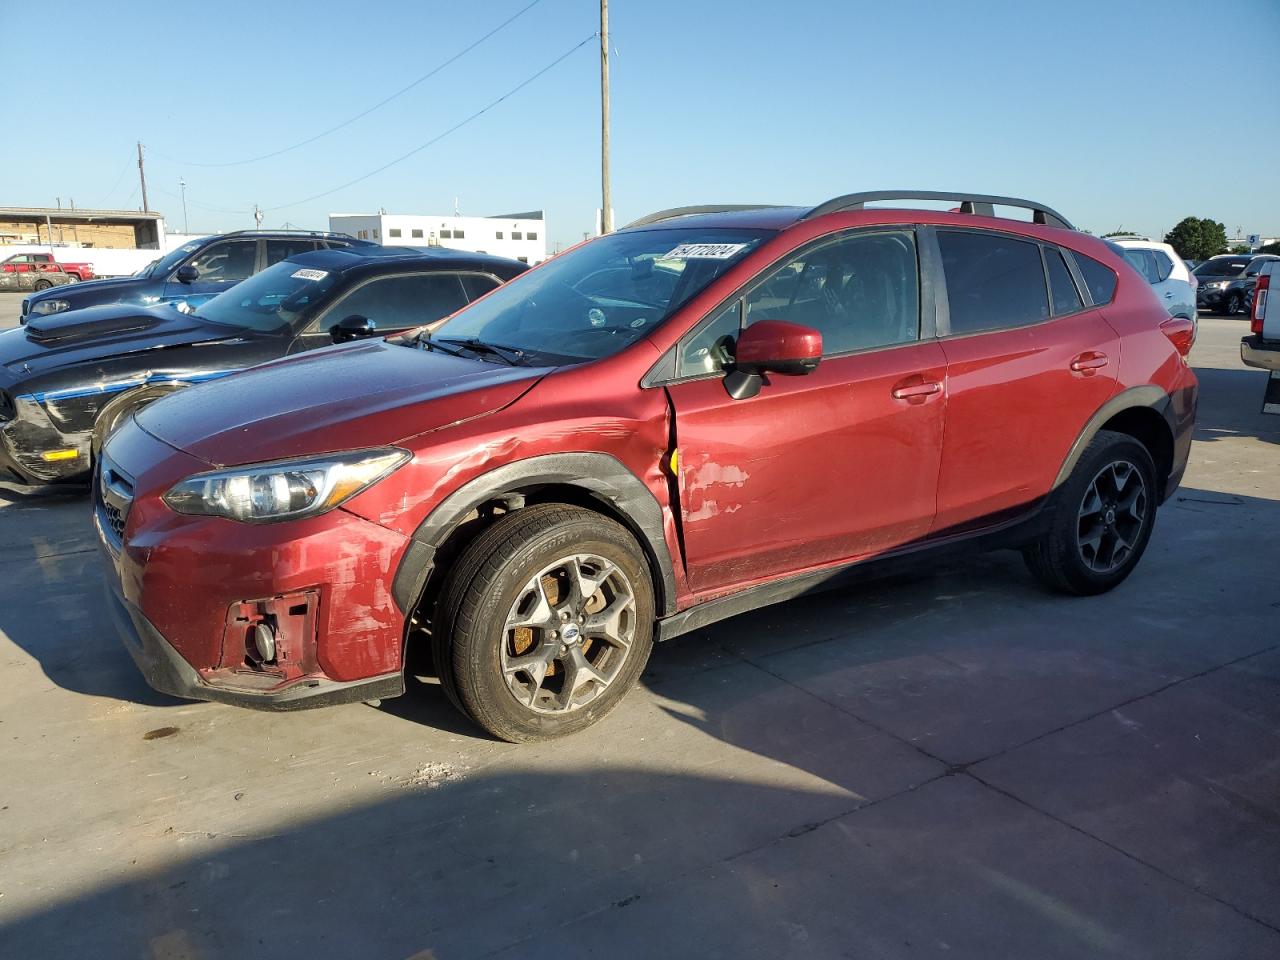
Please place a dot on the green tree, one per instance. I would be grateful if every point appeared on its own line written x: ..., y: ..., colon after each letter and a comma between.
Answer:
x: 1271, y: 248
x: 1239, y: 248
x: 1197, y: 239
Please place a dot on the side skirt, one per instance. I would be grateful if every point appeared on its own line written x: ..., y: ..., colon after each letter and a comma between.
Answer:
x: 1010, y: 533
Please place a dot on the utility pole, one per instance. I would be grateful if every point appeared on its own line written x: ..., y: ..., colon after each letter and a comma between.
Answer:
x: 182, y: 185
x: 606, y: 211
x: 142, y: 176
x: 257, y: 217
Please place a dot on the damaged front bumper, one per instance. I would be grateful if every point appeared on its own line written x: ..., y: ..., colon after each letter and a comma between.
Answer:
x: 34, y: 451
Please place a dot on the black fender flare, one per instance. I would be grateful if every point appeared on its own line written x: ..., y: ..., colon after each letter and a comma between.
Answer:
x: 1148, y: 396
x: 598, y: 474
x: 127, y: 402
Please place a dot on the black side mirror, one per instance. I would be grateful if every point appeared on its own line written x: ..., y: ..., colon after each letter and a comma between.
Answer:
x: 187, y: 274
x: 353, y: 327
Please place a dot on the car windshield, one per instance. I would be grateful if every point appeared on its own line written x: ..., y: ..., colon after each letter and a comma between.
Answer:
x: 170, y: 260
x: 277, y: 297
x: 146, y: 271
x: 1224, y: 267
x: 595, y: 300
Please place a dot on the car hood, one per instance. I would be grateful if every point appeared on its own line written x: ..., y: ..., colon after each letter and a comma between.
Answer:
x: 118, y: 287
x: 99, y: 333
x: 364, y: 394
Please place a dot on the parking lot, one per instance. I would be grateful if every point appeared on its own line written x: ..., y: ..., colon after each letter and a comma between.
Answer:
x: 954, y: 762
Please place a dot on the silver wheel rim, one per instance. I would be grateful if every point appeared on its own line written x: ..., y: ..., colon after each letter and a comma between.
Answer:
x: 1111, y: 517
x: 569, y: 633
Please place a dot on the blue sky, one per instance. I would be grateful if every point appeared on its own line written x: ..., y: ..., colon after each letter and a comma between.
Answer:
x: 1116, y: 113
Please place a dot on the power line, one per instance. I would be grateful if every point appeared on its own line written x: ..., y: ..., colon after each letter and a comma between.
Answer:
x: 436, y: 139
x: 381, y: 103
x: 198, y: 204
x: 112, y: 192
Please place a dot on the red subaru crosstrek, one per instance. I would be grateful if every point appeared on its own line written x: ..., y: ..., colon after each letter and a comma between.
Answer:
x: 714, y: 409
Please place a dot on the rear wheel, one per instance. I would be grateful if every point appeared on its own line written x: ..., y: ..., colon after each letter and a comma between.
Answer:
x: 1100, y: 518
x: 41, y: 285
x: 545, y: 623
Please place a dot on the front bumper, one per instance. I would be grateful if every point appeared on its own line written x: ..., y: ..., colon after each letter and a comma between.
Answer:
x: 166, y: 671
x: 24, y: 443
x: 1209, y: 299
x: 1254, y: 352
x: 187, y: 593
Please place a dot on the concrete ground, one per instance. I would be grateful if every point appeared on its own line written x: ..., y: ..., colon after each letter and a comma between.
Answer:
x: 957, y: 764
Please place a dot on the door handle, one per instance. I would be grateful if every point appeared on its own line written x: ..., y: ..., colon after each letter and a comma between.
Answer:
x: 1088, y: 362
x: 916, y: 389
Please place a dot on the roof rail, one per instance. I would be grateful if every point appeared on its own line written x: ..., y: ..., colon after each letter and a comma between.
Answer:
x: 975, y: 203
x: 690, y: 211
x: 303, y: 233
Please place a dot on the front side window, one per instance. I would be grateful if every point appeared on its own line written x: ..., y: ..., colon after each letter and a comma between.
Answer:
x: 1062, y: 289
x: 859, y: 292
x: 710, y: 349
x: 994, y: 282
x: 602, y: 296
x: 277, y: 297
x: 399, y: 302
x: 232, y: 260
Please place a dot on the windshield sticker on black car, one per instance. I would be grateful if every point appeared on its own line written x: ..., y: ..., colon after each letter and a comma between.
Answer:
x: 704, y: 251
x: 305, y: 274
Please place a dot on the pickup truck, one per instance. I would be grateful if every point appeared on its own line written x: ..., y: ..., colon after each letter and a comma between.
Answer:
x: 23, y: 271
x: 1261, y: 348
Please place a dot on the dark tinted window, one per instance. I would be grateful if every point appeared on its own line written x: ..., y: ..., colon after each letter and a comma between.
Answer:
x: 394, y: 303
x: 230, y: 260
x: 1098, y: 278
x: 1062, y: 289
x: 1164, y: 265
x: 859, y: 292
x: 278, y: 250
x: 993, y: 281
x: 477, y: 286
x: 1255, y: 266
x: 1222, y: 267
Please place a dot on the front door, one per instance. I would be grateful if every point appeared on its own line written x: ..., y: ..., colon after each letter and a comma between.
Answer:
x: 838, y: 464
x: 220, y: 267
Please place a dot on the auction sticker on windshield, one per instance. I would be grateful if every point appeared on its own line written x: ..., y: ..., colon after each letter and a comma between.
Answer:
x: 306, y: 274
x: 704, y: 251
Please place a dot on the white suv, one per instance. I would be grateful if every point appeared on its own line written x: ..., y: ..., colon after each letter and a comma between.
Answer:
x: 1164, y: 270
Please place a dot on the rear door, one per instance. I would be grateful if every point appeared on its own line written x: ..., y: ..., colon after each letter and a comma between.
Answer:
x: 1174, y: 293
x: 838, y: 464
x: 1028, y: 363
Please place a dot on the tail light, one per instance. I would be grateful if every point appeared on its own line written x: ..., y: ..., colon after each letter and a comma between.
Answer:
x: 1181, y: 333
x: 1259, y: 304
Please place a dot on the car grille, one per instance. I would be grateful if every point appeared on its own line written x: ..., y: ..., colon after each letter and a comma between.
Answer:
x: 113, y: 497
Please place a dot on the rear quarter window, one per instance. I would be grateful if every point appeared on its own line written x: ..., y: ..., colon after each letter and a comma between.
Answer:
x: 1099, y: 278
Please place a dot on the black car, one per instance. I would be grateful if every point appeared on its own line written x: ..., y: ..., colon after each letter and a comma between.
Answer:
x: 192, y: 273
x: 1227, y: 281
x: 67, y: 379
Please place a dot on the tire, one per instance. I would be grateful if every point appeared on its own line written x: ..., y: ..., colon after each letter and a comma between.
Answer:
x: 73, y: 278
x: 1235, y: 304
x: 1067, y: 561
x: 500, y: 583
x: 41, y: 285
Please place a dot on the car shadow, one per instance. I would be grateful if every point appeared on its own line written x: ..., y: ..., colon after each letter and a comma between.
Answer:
x: 1230, y: 405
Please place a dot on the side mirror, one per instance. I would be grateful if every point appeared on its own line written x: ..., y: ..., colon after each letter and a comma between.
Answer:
x: 187, y: 274
x: 353, y: 327
x: 772, y: 346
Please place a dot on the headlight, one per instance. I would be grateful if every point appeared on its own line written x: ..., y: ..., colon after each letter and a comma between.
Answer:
x: 283, y: 489
x: 1217, y: 284
x: 42, y: 307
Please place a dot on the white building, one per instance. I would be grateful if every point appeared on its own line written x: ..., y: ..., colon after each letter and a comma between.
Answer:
x: 520, y: 236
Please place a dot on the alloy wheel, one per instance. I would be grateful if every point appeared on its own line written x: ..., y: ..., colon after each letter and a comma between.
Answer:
x: 1112, y: 515
x: 569, y: 632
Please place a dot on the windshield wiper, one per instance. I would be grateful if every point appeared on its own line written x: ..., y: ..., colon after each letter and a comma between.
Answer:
x: 424, y: 342
x: 512, y: 356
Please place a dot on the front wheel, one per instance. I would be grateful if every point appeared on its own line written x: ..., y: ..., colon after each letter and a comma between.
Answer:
x: 1235, y: 305
x: 545, y: 623
x: 1100, y: 519
x: 72, y: 278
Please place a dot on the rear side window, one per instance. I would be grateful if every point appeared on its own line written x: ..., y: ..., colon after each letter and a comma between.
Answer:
x: 1144, y: 263
x: 1164, y: 266
x: 994, y: 282
x: 278, y: 250
x: 1100, y: 280
x: 1062, y: 289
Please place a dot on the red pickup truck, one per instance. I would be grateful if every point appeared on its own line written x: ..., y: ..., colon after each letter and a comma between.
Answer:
x: 45, y: 263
